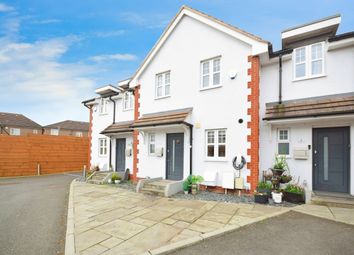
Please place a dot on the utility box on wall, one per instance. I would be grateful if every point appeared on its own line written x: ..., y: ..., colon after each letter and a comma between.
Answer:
x: 301, y: 153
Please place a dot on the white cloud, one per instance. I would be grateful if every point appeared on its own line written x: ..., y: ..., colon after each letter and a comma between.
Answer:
x: 6, y: 8
x: 122, y: 57
x: 46, y: 21
x: 147, y: 20
x: 113, y: 33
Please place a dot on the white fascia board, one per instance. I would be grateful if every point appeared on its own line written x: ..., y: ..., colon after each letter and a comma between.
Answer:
x: 106, y: 88
x: 124, y: 82
x: 341, y: 44
x: 311, y: 27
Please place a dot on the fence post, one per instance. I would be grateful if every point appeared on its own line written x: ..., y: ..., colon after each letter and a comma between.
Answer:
x: 38, y: 169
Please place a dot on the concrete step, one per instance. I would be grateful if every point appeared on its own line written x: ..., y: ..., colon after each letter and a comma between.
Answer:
x: 333, y: 201
x: 154, y: 192
x: 154, y: 186
x: 95, y: 182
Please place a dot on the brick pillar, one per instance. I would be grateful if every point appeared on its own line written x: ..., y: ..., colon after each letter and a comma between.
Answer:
x: 90, y: 139
x: 253, y: 123
x: 136, y: 133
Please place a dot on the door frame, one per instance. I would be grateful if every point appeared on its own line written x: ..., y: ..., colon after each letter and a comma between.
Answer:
x: 166, y: 165
x: 347, y: 128
x: 125, y: 144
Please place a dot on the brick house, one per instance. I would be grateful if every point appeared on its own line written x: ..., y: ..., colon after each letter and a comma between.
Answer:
x: 18, y: 124
x: 68, y: 128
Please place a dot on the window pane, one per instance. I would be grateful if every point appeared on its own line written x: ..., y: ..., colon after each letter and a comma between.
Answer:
x: 316, y: 51
x: 159, y: 80
x: 300, y: 55
x: 152, y: 148
x: 283, y: 134
x: 216, y: 66
x: 152, y: 138
x: 206, y: 67
x: 159, y: 91
x: 222, y: 150
x: 283, y: 148
x: 300, y: 70
x: 222, y: 136
x: 210, y: 150
x: 316, y: 67
x: 167, y: 90
x: 167, y: 78
x: 216, y: 78
x: 205, y: 81
x: 211, y: 137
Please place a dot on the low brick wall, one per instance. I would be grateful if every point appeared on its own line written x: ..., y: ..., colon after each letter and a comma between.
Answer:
x: 19, y: 155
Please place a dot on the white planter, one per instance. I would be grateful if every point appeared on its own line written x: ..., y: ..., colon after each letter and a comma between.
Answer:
x: 117, y: 181
x: 186, y: 192
x: 109, y: 181
x: 277, y: 197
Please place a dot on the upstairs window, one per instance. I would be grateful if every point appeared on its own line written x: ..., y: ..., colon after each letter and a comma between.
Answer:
x: 210, y: 73
x: 309, y: 61
x: 283, y: 142
x: 128, y: 101
x: 216, y: 144
x: 163, y: 85
x: 15, y: 131
x: 103, y: 106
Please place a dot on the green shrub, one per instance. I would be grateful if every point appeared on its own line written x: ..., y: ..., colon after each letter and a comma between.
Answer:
x: 186, y: 185
x: 293, y: 188
x: 280, y: 163
x: 115, y: 177
x: 264, y: 185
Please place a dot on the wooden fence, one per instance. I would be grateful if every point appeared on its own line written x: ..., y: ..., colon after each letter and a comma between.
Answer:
x: 20, y: 155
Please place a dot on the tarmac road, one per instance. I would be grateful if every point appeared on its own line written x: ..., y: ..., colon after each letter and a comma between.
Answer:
x: 33, y: 214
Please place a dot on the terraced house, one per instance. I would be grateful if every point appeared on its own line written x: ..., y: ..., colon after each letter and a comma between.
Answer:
x: 208, y: 92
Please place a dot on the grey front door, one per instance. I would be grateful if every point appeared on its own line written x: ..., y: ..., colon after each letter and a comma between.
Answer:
x: 174, y: 156
x: 120, y: 154
x: 331, y: 152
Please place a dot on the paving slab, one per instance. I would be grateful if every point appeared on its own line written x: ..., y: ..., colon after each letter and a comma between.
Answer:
x: 121, y: 229
x: 89, y: 238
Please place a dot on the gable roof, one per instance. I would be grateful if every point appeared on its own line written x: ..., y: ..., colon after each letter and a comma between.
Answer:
x: 18, y: 120
x: 259, y: 44
x: 70, y: 125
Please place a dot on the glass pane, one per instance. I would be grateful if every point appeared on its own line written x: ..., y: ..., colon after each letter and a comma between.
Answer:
x: 325, y: 158
x: 152, y: 138
x: 222, y: 150
x: 159, y: 80
x: 210, y: 150
x: 206, y: 67
x: 300, y: 70
x: 283, y: 134
x: 283, y: 148
x: 167, y: 90
x: 216, y: 78
x: 316, y: 51
x: 300, y: 55
x: 205, y: 81
x: 167, y: 78
x: 222, y: 136
x: 211, y: 137
x: 152, y: 148
x: 159, y: 91
x: 316, y: 67
x: 216, y: 66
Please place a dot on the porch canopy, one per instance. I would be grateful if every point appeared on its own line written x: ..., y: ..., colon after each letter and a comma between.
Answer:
x: 117, y: 128
x: 315, y: 107
x: 173, y: 117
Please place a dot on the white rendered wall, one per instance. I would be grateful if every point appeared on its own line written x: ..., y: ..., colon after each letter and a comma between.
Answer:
x: 189, y: 44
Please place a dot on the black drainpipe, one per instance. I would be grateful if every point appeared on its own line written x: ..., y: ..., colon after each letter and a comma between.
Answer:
x: 280, y: 78
x: 190, y: 149
x: 110, y: 140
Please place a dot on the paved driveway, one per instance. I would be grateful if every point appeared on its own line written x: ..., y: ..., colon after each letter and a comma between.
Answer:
x: 290, y: 233
x: 33, y: 214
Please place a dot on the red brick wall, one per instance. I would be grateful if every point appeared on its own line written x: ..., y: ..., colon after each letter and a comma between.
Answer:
x: 253, y: 124
x: 136, y: 133
x: 19, y: 155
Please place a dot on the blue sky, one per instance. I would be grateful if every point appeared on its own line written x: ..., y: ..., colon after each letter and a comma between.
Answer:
x: 53, y: 54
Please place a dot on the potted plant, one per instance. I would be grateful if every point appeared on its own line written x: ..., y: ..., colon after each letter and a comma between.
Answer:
x: 280, y: 165
x: 115, y: 178
x: 261, y: 198
x: 277, y: 196
x: 285, y: 178
x: 264, y: 187
x: 186, y: 186
x: 294, y: 193
x: 195, y: 180
x: 267, y: 175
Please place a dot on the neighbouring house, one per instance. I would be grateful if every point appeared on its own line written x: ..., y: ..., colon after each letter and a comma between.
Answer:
x: 18, y: 124
x: 209, y: 91
x: 307, y: 105
x: 68, y: 128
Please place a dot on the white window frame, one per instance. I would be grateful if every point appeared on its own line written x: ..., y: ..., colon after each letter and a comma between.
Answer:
x: 152, y: 135
x: 211, y: 73
x: 78, y: 134
x: 283, y: 140
x: 102, y: 147
x: 35, y: 131
x: 216, y: 144
x: 163, y: 85
x: 128, y: 101
x: 102, y: 107
x: 54, y: 131
x: 308, y: 62
x: 15, y: 131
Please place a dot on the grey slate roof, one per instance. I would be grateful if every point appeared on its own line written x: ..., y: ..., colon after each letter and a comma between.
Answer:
x: 18, y: 120
x: 70, y: 125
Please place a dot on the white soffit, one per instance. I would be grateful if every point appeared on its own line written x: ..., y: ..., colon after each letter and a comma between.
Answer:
x: 107, y: 89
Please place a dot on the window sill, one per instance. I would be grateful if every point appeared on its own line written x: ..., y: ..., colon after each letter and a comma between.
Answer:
x: 216, y: 160
x: 309, y: 77
x: 163, y: 97
x: 102, y: 114
x: 128, y: 109
x: 211, y: 87
x: 102, y: 156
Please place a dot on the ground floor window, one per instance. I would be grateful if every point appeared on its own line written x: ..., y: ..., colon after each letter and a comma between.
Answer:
x: 15, y: 131
x: 216, y: 144
x: 102, y: 142
x: 151, y: 144
x: 283, y: 142
x: 54, y: 131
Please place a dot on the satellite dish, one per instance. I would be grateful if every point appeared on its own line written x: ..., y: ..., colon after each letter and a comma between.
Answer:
x: 232, y: 74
